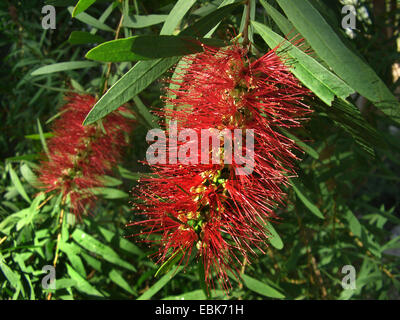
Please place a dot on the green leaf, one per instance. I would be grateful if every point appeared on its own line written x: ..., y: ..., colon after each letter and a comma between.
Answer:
x: 124, y: 244
x: 343, y: 61
x: 17, y: 184
x: 392, y: 244
x: 172, y: 261
x: 81, y: 6
x: 28, y: 175
x: 64, y: 283
x: 64, y: 66
x: 81, y: 283
x: 312, y: 74
x: 110, y: 181
x: 46, y: 135
x: 201, y: 28
x: 27, y: 216
x: 92, y: 262
x: 311, y: 151
x: 176, y: 15
x: 137, y: 21
x: 362, y: 233
x: 144, y: 112
x: 126, y: 174
x: 133, y: 82
x: 274, y: 237
x: 95, y: 246
x: 175, y: 83
x: 12, y: 277
x: 109, y: 193
x: 349, y: 117
x: 159, y: 284
x: 145, y: 72
x: 118, y: 279
x: 72, y: 251
x: 83, y: 37
x: 42, y: 138
x: 148, y: 47
x: 312, y: 207
x: 28, y: 157
x: 10, y: 221
x: 88, y: 19
x: 261, y: 287
x: 284, y: 24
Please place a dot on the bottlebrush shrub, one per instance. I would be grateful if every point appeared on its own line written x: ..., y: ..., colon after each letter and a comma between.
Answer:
x: 80, y: 155
x: 209, y: 206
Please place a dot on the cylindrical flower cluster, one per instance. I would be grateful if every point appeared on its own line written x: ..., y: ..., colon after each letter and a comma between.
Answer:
x: 80, y: 155
x: 220, y: 207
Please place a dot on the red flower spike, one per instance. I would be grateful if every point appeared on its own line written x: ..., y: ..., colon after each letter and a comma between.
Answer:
x: 80, y: 155
x: 209, y: 206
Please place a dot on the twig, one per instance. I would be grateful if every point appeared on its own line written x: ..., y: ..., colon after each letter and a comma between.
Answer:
x: 44, y: 202
x: 246, y: 25
x: 3, y: 239
x: 242, y: 273
x: 109, y: 64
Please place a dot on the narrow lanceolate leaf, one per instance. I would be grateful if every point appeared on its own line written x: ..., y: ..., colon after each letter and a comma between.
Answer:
x: 343, y: 61
x: 145, y: 72
x: 203, y: 26
x: 82, y: 284
x: 83, y: 37
x: 305, y: 147
x: 159, y: 284
x: 18, y: 185
x: 88, y: 19
x: 144, y: 113
x: 349, y: 117
x: 312, y: 74
x: 73, y: 256
x: 63, y: 66
x: 274, y: 237
x: 95, y: 246
x: 284, y: 24
x: 109, y: 193
x: 261, y: 287
x: 81, y: 6
x: 344, y: 114
x: 137, y: 21
x: 42, y: 138
x: 132, y: 83
x: 12, y: 276
x: 46, y: 135
x: 116, y: 277
x: 310, y: 206
x: 28, y: 175
x: 149, y: 47
x: 176, y: 15
x: 167, y: 265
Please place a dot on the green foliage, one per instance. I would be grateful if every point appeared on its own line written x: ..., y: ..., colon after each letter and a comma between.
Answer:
x: 341, y: 210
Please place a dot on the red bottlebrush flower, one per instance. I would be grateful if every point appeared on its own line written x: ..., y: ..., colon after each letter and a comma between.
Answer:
x: 80, y: 155
x: 212, y: 206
